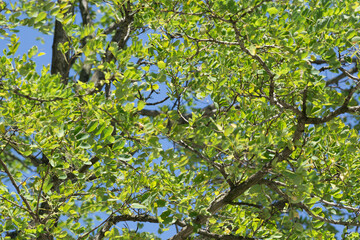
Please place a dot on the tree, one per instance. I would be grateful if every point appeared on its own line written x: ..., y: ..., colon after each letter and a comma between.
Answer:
x: 212, y: 116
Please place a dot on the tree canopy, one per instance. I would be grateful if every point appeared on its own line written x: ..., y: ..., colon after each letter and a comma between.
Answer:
x: 218, y: 119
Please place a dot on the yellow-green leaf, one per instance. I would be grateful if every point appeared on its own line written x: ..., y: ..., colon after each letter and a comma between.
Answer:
x: 40, y: 17
x: 272, y: 11
x: 161, y: 65
x: 2, y: 128
x: 141, y: 105
x: 252, y: 49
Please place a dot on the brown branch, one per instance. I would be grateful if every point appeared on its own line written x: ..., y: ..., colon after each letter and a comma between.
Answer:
x: 86, y: 18
x: 274, y: 187
x: 272, y: 96
x: 245, y: 204
x: 354, y: 109
x: 213, y: 41
x: 208, y: 111
x: 337, y: 205
x: 93, y: 160
x: 269, y: 119
x: 222, y: 236
x: 29, y: 210
x: 60, y: 61
x: 324, y: 219
x: 113, y: 220
x: 149, y: 113
x: 40, y: 190
x: 156, y: 103
x: 17, y: 92
x: 33, y: 215
x: 348, y: 74
x: 84, y: 11
x: 238, y: 190
x: 221, y: 201
x: 335, y: 80
x: 321, y: 61
x: 15, y: 204
x: 247, y: 51
x: 343, y: 109
x: 217, y: 166
x: 121, y: 35
x: 337, y: 112
x: 252, y: 9
x: 9, y: 154
x: 94, y: 229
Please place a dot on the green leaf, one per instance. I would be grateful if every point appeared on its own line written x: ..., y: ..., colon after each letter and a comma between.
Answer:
x: 40, y: 17
x: 272, y: 10
x: 252, y: 49
x: 228, y: 131
x: 92, y: 126
x: 61, y: 132
x: 298, y: 227
x: 357, y: 9
x: 355, y: 39
x: 2, y: 127
x: 318, y: 224
x: 85, y: 145
x: 277, y: 235
x: 62, y: 175
x: 82, y: 136
x: 141, y: 105
x: 47, y: 186
x: 108, y: 131
x: 100, y: 129
x: 138, y: 205
x: 124, y: 157
x: 265, y: 67
x: 161, y: 64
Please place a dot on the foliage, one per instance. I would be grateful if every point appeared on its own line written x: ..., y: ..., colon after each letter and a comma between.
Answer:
x: 212, y: 116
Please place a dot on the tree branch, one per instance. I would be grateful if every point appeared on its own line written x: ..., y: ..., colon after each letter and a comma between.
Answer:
x: 222, y: 236
x: 17, y: 92
x: 246, y: 204
x: 120, y: 37
x: 217, y: 166
x: 86, y: 18
x: 84, y: 10
x: 113, y: 220
x: 343, y: 109
x: 221, y: 201
x: 27, y: 204
x: 335, y: 80
x: 60, y: 61
x: 233, y: 193
x: 337, y: 205
x: 274, y: 187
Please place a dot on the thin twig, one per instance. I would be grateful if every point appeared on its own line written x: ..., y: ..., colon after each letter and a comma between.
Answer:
x: 8, y: 173
x: 40, y: 191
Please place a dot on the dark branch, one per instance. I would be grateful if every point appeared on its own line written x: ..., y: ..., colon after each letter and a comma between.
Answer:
x: 113, y: 220
x: 120, y: 37
x: 343, y: 109
x: 246, y: 204
x: 85, y: 15
x: 221, y: 201
x: 301, y: 205
x: 60, y: 61
x: 222, y: 236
